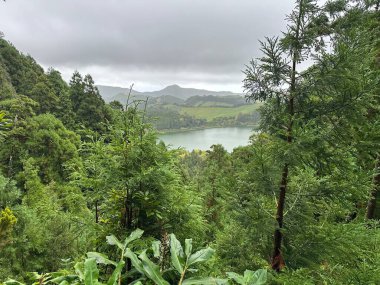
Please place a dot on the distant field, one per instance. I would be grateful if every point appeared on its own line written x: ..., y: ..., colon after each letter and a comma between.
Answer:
x: 210, y: 113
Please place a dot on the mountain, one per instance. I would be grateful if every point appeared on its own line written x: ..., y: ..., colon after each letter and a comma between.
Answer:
x: 123, y: 97
x: 185, y: 93
x: 110, y: 93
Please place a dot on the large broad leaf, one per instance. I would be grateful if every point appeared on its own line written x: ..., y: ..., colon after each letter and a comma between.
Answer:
x: 188, y: 247
x: 156, y: 248
x: 259, y: 277
x: 152, y: 271
x: 91, y: 272
x: 113, y: 280
x: 201, y: 255
x: 133, y: 236
x: 112, y: 240
x: 100, y: 258
x: 205, y: 281
x: 79, y: 268
x: 236, y: 277
x: 176, y: 253
x: 249, y: 277
x: 136, y: 263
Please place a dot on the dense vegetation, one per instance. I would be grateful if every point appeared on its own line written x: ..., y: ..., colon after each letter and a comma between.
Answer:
x: 175, y: 108
x: 80, y: 178
x: 168, y: 113
x: 169, y: 117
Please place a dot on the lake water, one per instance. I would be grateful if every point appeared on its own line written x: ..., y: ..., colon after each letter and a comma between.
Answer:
x: 203, y: 139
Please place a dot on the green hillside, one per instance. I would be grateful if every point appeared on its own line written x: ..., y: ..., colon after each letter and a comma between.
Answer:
x: 174, y: 117
x: 215, y: 101
x: 210, y: 113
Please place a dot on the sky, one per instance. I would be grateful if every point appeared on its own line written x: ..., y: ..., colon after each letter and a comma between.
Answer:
x: 151, y: 43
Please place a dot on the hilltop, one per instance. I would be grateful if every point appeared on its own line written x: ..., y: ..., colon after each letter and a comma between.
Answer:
x: 111, y: 93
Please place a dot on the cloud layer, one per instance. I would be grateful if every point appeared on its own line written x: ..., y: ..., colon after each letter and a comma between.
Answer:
x: 200, y: 43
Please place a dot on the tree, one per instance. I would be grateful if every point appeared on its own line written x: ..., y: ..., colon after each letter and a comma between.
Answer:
x: 42, y: 93
x: 4, y: 124
x: 47, y: 229
x: 45, y: 139
x: 116, y: 105
x: 277, y: 80
x: 216, y: 188
x: 64, y: 109
x: 88, y: 106
x: 23, y: 71
x: 133, y: 181
x: 7, y: 221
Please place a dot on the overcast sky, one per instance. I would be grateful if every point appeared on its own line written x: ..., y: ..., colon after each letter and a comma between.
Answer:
x: 153, y: 43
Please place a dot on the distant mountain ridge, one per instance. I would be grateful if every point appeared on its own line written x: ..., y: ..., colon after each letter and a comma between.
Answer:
x: 110, y: 93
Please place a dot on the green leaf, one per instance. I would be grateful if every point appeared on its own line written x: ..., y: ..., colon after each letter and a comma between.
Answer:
x: 91, y: 272
x: 250, y: 277
x: 13, y: 282
x: 100, y: 258
x: 113, y: 280
x: 79, y: 266
x: 137, y: 264
x: 66, y: 278
x: 133, y: 236
x: 259, y: 277
x: 176, y: 252
x: 34, y: 275
x: 205, y: 281
x: 236, y: 277
x: 112, y: 240
x: 188, y: 247
x: 152, y: 271
x: 156, y: 248
x: 200, y: 256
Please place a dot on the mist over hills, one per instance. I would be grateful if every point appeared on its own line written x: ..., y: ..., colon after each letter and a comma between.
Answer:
x: 110, y: 93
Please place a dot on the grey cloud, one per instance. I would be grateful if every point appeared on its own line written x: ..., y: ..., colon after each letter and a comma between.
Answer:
x: 207, y: 39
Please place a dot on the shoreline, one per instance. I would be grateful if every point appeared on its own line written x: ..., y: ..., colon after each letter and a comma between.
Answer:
x: 183, y: 130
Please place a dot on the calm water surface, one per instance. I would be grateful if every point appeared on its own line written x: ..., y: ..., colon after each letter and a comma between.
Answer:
x: 203, y: 139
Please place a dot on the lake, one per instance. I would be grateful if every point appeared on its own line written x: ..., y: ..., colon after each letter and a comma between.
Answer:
x: 203, y: 139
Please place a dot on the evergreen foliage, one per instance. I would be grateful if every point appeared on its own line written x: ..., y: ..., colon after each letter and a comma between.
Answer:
x: 299, y: 205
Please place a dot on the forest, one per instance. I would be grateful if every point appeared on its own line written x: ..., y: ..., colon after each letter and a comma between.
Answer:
x: 88, y: 195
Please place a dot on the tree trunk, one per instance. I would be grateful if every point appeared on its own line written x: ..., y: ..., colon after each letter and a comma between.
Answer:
x: 277, y: 258
x: 96, y: 212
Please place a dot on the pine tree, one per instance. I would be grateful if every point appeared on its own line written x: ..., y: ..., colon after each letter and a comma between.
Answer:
x: 276, y: 79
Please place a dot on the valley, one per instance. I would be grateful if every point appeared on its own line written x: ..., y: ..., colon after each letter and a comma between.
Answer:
x: 175, y: 108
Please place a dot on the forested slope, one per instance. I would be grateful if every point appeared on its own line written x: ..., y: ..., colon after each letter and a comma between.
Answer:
x: 79, y: 177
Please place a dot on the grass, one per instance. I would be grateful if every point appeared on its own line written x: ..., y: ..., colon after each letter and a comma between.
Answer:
x: 210, y: 113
